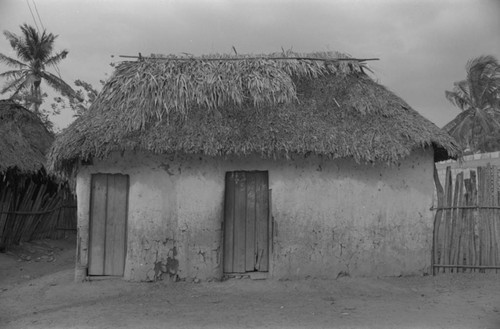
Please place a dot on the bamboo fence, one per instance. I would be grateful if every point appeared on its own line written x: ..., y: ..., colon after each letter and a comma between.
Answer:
x: 466, y: 224
x: 33, y: 208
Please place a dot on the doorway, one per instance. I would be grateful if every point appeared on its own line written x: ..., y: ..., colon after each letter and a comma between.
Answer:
x: 108, y: 224
x: 246, y: 222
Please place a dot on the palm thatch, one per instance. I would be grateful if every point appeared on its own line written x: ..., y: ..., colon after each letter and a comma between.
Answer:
x: 24, y: 140
x: 237, y: 105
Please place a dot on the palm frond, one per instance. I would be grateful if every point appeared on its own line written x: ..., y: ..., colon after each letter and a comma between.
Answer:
x: 58, y: 84
x: 461, y: 131
x: 11, y: 74
x: 13, y: 39
x: 23, y: 81
x: 458, y: 99
x: 477, y: 96
x: 11, y: 61
x: 481, y: 75
x: 483, y: 120
x: 31, y: 42
x: 55, y: 59
x: 45, y: 46
x: 471, y: 124
x: 480, y: 65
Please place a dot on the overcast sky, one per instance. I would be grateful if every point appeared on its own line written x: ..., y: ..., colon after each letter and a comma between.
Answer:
x: 423, y: 45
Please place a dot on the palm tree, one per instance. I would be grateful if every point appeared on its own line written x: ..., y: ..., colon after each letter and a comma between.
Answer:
x: 478, y: 96
x: 35, y: 54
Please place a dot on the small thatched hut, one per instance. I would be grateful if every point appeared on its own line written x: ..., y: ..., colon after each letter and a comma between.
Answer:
x: 282, y: 167
x: 24, y: 140
x: 27, y: 193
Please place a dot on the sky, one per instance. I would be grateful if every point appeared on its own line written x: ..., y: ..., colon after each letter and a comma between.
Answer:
x: 422, y: 45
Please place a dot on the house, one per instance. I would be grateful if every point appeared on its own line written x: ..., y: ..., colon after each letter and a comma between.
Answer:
x: 24, y: 140
x: 28, y: 195
x: 282, y: 167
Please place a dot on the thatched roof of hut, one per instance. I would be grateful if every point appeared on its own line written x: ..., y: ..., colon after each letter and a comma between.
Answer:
x: 24, y: 140
x: 273, y: 105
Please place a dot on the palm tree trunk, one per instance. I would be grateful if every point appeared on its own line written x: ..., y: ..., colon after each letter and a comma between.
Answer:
x: 37, y: 96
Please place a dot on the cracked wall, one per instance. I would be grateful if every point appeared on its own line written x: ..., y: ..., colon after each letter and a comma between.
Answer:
x: 330, y: 216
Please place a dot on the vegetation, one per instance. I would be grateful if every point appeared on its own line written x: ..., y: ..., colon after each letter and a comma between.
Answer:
x: 79, y: 103
x: 35, y: 53
x: 477, y: 128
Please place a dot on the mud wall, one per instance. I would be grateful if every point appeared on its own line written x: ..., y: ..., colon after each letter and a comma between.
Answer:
x: 330, y: 216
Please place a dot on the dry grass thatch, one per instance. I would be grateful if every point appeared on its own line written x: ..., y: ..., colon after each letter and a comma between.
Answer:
x: 24, y: 140
x: 238, y: 106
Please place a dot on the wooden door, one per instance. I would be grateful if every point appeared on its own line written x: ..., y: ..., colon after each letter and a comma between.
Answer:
x: 246, y: 222
x: 108, y: 224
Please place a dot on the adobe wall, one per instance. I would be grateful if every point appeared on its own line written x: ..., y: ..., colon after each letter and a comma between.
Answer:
x: 330, y: 216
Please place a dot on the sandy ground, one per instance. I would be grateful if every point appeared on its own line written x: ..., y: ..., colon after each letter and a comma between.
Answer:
x: 38, y: 292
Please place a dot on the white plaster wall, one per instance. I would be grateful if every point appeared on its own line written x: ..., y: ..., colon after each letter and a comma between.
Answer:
x: 330, y: 216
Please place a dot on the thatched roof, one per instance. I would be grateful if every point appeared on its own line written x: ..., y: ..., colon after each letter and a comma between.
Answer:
x: 237, y: 106
x: 24, y: 140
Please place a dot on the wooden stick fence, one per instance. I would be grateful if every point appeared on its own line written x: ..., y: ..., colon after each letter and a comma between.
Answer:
x: 466, y: 224
x: 34, y: 209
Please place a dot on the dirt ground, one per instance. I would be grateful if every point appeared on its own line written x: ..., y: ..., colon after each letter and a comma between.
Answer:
x: 37, y: 291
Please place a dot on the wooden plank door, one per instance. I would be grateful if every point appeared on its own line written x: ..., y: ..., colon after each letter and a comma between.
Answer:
x: 108, y: 224
x: 246, y: 222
